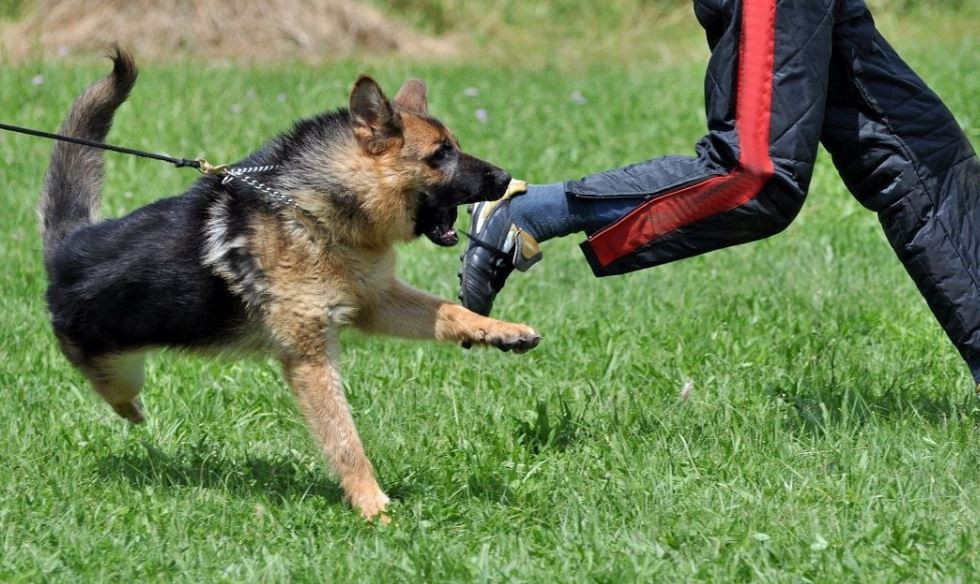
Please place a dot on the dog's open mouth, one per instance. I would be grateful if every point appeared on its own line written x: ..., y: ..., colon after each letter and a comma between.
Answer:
x: 436, y: 223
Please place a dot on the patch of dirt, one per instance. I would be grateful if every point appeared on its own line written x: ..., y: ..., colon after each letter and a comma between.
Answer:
x: 236, y: 30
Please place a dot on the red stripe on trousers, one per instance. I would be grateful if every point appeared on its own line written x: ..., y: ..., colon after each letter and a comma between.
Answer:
x: 753, y: 110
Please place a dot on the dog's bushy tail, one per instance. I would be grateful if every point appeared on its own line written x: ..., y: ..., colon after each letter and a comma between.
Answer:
x: 72, y: 191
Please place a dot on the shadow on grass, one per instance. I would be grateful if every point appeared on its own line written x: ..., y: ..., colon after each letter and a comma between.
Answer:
x: 205, y: 465
x: 820, y: 408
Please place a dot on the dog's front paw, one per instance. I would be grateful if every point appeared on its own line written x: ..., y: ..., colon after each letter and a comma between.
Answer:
x: 512, y: 337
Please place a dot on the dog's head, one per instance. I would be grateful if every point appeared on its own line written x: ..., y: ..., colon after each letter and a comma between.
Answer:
x: 420, y: 155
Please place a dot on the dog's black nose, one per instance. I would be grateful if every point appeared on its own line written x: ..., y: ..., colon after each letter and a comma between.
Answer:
x: 478, y: 180
x: 502, y: 177
x: 496, y: 181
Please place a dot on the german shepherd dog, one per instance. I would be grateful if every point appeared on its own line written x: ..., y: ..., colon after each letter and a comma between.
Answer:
x: 219, y: 267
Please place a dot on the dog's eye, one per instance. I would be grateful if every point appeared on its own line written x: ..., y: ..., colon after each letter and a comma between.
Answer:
x: 440, y: 154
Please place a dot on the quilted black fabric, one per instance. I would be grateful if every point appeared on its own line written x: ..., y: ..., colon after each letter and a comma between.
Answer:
x: 896, y: 146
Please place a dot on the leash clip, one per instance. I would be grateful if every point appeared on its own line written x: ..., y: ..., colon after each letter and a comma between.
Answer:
x: 206, y: 168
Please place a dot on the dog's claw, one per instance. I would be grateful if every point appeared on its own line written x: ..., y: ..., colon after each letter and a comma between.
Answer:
x: 527, y: 344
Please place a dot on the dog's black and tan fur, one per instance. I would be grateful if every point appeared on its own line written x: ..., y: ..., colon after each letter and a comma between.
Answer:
x: 218, y: 267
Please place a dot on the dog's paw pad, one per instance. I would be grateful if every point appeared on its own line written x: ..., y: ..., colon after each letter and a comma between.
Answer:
x: 520, y: 341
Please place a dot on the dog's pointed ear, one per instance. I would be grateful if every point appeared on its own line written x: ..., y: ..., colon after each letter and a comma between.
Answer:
x: 372, y: 111
x: 412, y: 97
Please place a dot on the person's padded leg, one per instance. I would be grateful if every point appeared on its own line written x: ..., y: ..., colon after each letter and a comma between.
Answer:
x: 902, y: 154
x: 765, y: 93
x: 747, y: 181
x: 547, y: 211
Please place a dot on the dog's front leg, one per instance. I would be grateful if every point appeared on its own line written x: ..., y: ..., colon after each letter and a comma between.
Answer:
x: 316, y: 383
x: 406, y: 312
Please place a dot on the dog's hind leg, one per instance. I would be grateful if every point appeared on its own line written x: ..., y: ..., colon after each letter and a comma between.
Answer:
x: 118, y: 379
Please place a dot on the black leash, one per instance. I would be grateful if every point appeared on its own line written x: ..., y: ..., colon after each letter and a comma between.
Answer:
x: 178, y: 162
x: 228, y: 173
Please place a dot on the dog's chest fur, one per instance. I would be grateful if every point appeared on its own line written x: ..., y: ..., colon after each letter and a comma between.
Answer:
x: 292, y: 268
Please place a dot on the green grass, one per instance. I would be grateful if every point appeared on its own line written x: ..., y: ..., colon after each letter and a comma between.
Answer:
x: 831, y: 435
x: 577, y: 34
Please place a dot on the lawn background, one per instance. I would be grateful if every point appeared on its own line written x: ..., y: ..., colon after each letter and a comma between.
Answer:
x: 831, y: 433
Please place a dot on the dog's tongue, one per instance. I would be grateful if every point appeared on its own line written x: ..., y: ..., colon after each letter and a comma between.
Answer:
x: 441, y: 231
